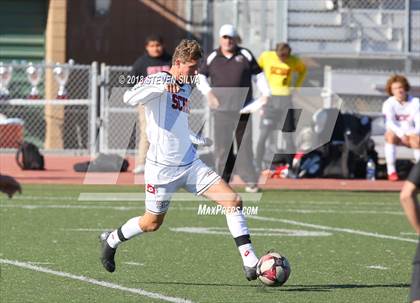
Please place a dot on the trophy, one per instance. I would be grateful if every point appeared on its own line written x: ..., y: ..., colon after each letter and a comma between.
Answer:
x: 34, y: 74
x: 61, y: 74
x: 5, y: 77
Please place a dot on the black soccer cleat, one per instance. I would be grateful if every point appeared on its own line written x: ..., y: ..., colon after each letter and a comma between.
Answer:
x: 108, y: 253
x: 251, y: 272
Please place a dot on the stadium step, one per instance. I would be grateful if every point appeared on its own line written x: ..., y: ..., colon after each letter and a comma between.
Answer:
x: 382, y: 33
x: 311, y: 5
x: 329, y: 33
x: 371, y: 46
x: 394, y: 18
x: 320, y: 33
x: 314, y: 18
x: 344, y: 47
x: 341, y: 47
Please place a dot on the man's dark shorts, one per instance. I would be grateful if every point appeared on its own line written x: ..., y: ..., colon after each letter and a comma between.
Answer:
x: 414, y: 176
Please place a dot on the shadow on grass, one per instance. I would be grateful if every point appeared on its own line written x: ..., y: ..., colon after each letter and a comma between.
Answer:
x: 288, y: 288
x: 331, y: 287
x: 200, y: 284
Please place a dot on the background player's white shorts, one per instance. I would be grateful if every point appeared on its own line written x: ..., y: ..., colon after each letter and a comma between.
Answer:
x: 195, y: 178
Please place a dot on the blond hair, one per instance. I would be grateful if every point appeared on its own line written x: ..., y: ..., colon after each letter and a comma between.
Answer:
x: 187, y: 50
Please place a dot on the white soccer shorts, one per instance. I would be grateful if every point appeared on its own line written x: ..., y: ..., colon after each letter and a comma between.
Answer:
x: 195, y: 178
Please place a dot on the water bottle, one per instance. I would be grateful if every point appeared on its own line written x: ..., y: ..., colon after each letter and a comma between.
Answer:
x: 370, y: 170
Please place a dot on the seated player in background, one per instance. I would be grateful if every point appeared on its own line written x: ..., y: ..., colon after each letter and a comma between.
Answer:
x: 411, y: 208
x: 172, y: 161
x: 279, y: 67
x: 9, y: 186
x: 402, y: 121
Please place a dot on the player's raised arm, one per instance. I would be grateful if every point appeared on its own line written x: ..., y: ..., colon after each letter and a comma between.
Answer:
x: 151, y: 88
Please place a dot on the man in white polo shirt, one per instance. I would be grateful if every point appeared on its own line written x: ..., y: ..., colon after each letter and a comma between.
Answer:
x: 231, y: 70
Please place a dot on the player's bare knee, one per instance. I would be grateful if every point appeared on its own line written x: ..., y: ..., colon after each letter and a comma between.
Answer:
x: 415, y: 142
x: 407, y: 194
x: 403, y: 197
x: 390, y: 137
x: 232, y: 202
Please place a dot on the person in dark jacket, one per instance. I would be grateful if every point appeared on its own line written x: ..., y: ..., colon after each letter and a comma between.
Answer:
x: 154, y: 60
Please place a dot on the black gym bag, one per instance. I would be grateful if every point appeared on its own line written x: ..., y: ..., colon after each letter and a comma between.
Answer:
x: 347, y: 156
x: 28, y: 157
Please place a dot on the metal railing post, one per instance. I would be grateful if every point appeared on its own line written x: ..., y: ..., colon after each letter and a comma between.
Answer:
x: 103, y: 134
x: 93, y: 108
x: 327, y: 90
x: 407, y: 27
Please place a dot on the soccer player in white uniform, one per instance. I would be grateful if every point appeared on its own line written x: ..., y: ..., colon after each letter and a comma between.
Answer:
x: 402, y: 120
x: 171, y: 161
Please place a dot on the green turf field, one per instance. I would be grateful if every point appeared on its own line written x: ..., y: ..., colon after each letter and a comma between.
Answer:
x: 343, y: 247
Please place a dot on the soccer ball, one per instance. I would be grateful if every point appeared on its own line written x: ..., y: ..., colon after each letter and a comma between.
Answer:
x: 273, y: 269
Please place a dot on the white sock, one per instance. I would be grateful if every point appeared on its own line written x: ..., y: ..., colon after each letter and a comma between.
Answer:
x: 127, y: 231
x: 416, y: 153
x: 236, y: 222
x: 390, y: 157
x: 249, y: 258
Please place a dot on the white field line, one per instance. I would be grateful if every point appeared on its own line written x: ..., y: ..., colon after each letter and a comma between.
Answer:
x: 133, y: 263
x: 337, y: 203
x: 337, y: 229
x: 331, y: 211
x: 408, y: 234
x: 69, y: 206
x: 268, y: 232
x: 261, y: 208
x: 175, y: 197
x: 312, y: 211
x: 124, y: 197
x: 137, y: 291
x: 380, y: 267
x: 47, y: 198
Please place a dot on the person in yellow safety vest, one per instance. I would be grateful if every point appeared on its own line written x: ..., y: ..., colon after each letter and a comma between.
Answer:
x: 279, y: 67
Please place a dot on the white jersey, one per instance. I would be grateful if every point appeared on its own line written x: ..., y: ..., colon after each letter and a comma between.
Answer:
x: 402, y: 119
x: 171, y: 146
